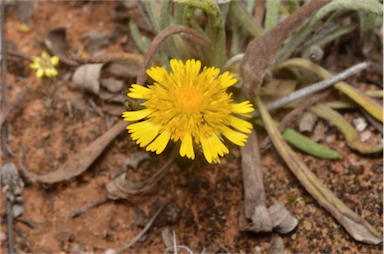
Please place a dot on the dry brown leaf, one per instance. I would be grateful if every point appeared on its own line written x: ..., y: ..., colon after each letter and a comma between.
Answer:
x: 86, y: 77
x: 95, y: 40
x: 112, y: 85
x: 122, y: 187
x: 56, y: 41
x: 123, y: 69
x: 260, y: 53
x: 81, y: 161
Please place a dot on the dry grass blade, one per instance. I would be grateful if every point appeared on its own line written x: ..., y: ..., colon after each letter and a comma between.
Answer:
x: 80, y: 161
x: 351, y: 135
x: 358, y: 228
x: 160, y: 38
x: 363, y: 100
x: 142, y: 232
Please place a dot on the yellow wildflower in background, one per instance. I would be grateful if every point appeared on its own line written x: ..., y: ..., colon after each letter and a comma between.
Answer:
x: 190, y: 106
x: 45, y: 65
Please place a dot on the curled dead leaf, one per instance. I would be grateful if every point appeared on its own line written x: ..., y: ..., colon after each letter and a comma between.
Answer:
x: 122, y: 187
x: 56, y: 41
x: 87, y: 77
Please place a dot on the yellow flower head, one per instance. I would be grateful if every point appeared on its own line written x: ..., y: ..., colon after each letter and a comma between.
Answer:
x: 190, y: 106
x: 45, y: 65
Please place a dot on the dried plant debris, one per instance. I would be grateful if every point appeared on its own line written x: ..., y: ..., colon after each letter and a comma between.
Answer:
x: 259, y: 218
x: 356, y: 226
x: 122, y: 187
x: 80, y: 162
x: 260, y: 53
x: 12, y: 187
x: 56, y: 41
x: 87, y: 77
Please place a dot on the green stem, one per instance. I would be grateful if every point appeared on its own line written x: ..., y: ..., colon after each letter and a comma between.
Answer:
x: 215, y: 29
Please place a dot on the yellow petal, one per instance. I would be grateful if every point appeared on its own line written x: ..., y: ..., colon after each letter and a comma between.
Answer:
x: 51, y: 72
x: 235, y: 137
x: 159, y: 144
x: 192, y: 67
x: 55, y: 60
x: 136, y: 115
x: 217, y: 146
x: 206, y: 149
x: 139, y: 92
x: 157, y: 73
x: 144, y: 132
x: 186, y: 147
x: 242, y: 108
x: 39, y: 73
x: 226, y: 80
x: 34, y: 65
x: 240, y: 124
x: 176, y: 65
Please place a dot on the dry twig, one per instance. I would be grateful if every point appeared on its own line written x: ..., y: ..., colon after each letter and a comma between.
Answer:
x: 142, y: 232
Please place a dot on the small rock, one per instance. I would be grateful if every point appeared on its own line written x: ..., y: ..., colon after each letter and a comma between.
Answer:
x: 360, y: 124
x: 377, y: 168
x: 307, y: 122
x: 257, y: 248
x: 112, y: 85
x: 356, y: 169
x: 307, y: 225
x: 365, y: 135
x: 3, y: 237
x: 110, y: 251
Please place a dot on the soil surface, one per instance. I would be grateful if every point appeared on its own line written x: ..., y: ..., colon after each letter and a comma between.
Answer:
x: 58, y: 120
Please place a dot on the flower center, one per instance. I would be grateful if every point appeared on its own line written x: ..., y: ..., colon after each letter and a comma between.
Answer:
x: 189, y: 100
x: 45, y: 62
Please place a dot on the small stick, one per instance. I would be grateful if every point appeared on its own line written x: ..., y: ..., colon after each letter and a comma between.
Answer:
x: 142, y: 232
x: 4, y: 129
x: 306, y: 91
x: 9, y: 226
x: 84, y: 209
x: 375, y: 123
x: 111, y: 57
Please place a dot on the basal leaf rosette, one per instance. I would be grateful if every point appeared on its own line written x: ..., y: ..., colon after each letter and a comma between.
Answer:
x: 189, y: 105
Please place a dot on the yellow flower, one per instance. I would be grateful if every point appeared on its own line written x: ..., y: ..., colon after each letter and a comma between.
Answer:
x: 190, y: 106
x: 45, y: 65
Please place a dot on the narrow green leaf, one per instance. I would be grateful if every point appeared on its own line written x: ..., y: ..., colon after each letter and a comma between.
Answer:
x: 305, y: 144
x: 272, y: 14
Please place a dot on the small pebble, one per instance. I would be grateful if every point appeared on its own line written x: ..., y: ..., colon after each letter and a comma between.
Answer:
x: 360, y: 124
x: 377, y: 168
x: 356, y: 169
x: 307, y: 225
x: 365, y: 135
x: 3, y: 237
x: 330, y: 138
x: 110, y: 251
x: 257, y: 248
